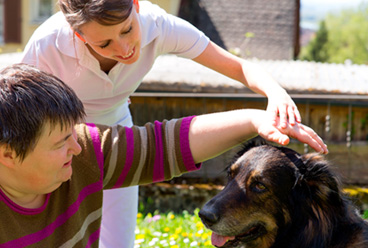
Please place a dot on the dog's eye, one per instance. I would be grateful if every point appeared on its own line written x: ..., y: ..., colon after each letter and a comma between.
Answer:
x: 259, y: 187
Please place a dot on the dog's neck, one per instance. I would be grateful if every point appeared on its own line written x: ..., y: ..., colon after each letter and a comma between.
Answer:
x: 320, y: 228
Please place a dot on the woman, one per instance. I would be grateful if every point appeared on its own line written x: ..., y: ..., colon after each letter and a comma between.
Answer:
x: 104, y: 48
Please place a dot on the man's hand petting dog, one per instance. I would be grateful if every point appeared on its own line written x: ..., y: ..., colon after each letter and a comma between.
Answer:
x: 274, y: 132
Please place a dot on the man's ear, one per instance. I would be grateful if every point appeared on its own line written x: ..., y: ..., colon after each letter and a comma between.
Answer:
x: 7, y: 156
x: 136, y: 3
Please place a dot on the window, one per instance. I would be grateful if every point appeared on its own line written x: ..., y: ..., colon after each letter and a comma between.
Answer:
x: 41, y: 10
x: 1, y: 21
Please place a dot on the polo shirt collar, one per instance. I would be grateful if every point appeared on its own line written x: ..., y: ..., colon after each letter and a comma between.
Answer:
x: 68, y: 43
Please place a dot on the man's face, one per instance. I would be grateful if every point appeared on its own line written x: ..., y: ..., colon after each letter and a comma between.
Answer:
x: 49, y: 165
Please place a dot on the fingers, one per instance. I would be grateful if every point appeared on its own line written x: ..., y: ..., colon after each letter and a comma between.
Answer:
x: 283, y: 115
x: 314, y: 140
x: 298, y: 117
x: 279, y: 138
x: 294, y: 115
x: 279, y: 132
x: 286, y: 113
x: 276, y: 137
x: 271, y: 133
x: 274, y: 114
x: 308, y: 136
x: 291, y: 116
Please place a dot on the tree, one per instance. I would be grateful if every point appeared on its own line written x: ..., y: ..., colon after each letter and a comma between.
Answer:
x: 317, y: 50
x: 349, y: 36
x: 346, y: 38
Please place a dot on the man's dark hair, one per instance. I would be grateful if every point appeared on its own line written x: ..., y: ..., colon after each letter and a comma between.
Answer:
x: 29, y: 99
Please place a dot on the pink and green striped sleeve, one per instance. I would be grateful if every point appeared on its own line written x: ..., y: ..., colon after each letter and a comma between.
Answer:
x: 140, y: 155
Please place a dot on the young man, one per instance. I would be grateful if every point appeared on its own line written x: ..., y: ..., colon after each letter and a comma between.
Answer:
x: 53, y: 170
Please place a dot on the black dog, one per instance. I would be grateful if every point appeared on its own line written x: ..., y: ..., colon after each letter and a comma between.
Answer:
x: 277, y: 198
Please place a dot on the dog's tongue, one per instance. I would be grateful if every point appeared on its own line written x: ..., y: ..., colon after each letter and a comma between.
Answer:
x: 219, y: 240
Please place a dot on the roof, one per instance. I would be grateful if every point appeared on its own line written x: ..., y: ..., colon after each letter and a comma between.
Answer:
x: 174, y: 74
x: 171, y: 73
x: 271, y: 26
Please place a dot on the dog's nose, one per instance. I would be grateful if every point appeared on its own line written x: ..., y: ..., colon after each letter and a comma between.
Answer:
x: 208, y: 217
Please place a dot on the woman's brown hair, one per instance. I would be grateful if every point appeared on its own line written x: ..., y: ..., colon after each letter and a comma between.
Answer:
x: 104, y: 12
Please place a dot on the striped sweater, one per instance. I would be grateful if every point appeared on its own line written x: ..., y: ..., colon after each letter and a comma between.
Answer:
x: 111, y: 157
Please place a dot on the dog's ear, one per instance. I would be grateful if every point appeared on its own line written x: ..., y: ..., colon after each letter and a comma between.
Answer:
x: 318, y: 170
x: 320, y: 183
x: 295, y: 158
x: 319, y: 191
x: 246, y: 146
x: 254, y: 142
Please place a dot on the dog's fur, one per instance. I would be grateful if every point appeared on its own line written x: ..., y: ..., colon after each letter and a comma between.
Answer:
x: 278, y: 198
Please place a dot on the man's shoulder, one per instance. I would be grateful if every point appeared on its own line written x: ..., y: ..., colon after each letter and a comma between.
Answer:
x: 151, y: 12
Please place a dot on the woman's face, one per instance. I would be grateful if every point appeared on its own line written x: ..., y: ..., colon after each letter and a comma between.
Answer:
x: 120, y: 42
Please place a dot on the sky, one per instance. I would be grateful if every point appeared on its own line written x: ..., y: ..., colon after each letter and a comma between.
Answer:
x: 333, y: 3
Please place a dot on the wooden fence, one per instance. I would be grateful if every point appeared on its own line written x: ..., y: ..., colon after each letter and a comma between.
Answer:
x: 342, y: 121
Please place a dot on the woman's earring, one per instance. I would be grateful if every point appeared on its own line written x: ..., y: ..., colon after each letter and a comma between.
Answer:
x: 136, y: 2
x: 80, y: 37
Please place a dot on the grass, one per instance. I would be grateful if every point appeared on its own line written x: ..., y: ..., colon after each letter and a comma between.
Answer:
x: 171, y: 230
x: 174, y: 231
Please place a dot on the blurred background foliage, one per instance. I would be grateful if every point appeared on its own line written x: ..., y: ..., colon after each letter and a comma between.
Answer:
x: 341, y: 38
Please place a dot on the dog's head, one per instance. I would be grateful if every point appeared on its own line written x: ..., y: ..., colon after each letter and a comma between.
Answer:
x: 265, y: 185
